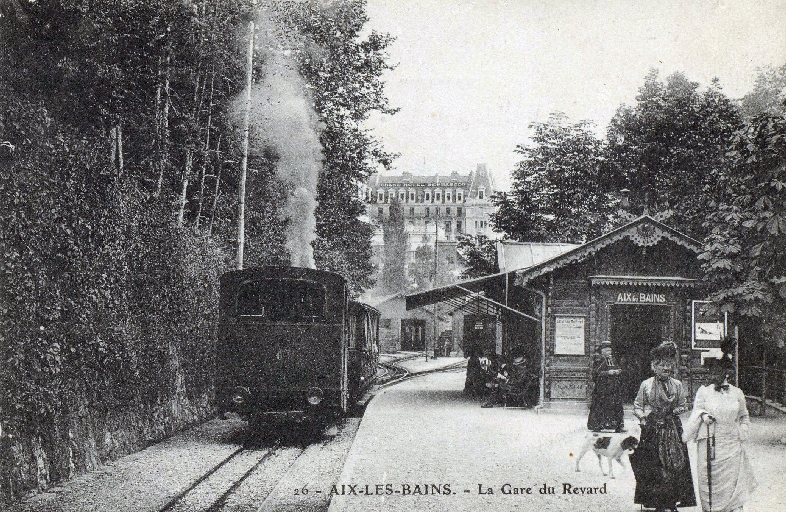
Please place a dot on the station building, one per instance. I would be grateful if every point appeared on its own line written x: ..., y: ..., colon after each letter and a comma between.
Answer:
x: 634, y: 286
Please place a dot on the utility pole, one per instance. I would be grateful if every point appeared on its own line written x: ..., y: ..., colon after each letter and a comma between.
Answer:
x: 436, y: 266
x: 241, y: 191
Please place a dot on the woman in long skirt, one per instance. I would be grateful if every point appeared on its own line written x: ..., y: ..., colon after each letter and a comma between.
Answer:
x: 660, y: 462
x: 720, y: 412
x: 606, y: 411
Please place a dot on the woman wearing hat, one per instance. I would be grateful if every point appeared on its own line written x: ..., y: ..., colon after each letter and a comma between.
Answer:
x: 606, y: 408
x: 660, y: 462
x: 720, y: 416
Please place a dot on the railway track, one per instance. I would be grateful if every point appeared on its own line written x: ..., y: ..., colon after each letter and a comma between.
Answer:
x: 274, y: 477
x: 396, y: 374
x: 211, y: 491
x: 269, y: 478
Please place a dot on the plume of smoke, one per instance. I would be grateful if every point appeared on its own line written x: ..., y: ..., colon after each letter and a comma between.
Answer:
x: 282, y: 117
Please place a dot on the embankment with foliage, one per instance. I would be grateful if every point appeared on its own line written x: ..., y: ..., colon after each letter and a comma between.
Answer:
x: 119, y: 152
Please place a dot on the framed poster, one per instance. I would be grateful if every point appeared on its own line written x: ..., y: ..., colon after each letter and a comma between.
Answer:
x: 708, y: 329
x: 569, y: 335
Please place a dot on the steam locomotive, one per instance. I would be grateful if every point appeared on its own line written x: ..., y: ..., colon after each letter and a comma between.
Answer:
x: 291, y: 344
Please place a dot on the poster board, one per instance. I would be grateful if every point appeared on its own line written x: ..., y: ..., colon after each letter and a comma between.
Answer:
x: 707, y: 329
x: 569, y: 335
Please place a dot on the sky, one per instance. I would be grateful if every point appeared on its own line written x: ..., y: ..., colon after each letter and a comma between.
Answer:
x: 472, y: 75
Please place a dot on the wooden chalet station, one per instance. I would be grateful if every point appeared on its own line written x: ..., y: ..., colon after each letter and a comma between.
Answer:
x: 636, y: 286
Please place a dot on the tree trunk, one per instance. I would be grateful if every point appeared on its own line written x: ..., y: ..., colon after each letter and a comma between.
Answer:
x: 764, y: 375
x: 113, y: 146
x: 163, y: 125
x: 119, y: 149
x: 217, y: 189
x: 184, y: 189
x: 205, y: 153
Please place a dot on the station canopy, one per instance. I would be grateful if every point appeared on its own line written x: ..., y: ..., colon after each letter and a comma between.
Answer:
x: 488, y: 294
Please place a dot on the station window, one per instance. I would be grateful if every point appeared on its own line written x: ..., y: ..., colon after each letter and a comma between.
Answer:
x: 411, y: 212
x: 401, y: 196
x: 411, y: 196
x: 447, y: 196
x: 458, y: 210
x: 439, y: 197
x: 428, y: 197
x: 428, y: 212
x: 436, y: 211
x: 447, y: 210
x: 458, y: 226
x: 459, y: 196
x: 381, y: 196
x: 380, y: 211
x: 480, y: 194
x: 448, y: 228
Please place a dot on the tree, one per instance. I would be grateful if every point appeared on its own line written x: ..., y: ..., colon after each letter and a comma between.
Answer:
x: 768, y: 95
x: 108, y: 303
x: 422, y: 268
x: 559, y: 190
x: 394, y: 269
x: 667, y: 148
x: 745, y: 252
x: 478, y: 254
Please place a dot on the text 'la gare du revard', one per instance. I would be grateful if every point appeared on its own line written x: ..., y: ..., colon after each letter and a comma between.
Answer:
x: 445, y: 489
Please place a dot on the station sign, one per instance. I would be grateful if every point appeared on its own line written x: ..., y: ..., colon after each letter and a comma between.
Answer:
x: 640, y: 298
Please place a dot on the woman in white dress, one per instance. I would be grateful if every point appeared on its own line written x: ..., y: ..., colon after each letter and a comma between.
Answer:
x: 719, y: 410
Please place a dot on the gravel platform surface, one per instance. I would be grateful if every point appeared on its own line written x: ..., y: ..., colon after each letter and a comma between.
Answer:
x: 437, y: 450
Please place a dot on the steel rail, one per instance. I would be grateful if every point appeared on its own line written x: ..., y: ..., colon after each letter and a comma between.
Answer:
x: 171, y: 503
x: 223, y: 498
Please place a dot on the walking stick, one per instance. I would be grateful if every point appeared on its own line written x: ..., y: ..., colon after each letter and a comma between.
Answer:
x: 710, y: 457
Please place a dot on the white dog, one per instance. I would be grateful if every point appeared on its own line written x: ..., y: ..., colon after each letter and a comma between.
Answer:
x: 609, y: 445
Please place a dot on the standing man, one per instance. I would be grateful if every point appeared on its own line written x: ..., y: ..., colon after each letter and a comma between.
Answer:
x: 606, y: 411
x: 660, y: 462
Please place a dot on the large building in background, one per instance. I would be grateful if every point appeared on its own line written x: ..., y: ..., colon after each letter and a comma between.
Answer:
x: 436, y: 210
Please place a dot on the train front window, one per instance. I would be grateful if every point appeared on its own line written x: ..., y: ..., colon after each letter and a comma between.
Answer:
x: 282, y: 300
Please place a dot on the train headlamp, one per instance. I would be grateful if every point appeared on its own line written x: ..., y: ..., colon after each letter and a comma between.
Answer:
x: 315, y: 396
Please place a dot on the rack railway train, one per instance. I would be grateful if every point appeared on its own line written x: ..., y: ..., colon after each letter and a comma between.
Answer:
x: 291, y: 344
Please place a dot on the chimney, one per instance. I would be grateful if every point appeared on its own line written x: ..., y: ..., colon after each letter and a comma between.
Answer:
x: 625, y: 199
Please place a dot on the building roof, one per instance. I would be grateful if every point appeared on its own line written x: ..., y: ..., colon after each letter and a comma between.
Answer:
x: 513, y: 255
x: 407, y: 178
x: 479, y: 178
x: 643, y: 231
x: 453, y: 292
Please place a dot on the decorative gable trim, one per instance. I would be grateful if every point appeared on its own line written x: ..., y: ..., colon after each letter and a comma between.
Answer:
x: 644, y: 232
x: 672, y: 282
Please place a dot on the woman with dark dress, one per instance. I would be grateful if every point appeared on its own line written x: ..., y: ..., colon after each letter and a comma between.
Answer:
x: 606, y: 408
x: 660, y: 462
x: 475, y: 384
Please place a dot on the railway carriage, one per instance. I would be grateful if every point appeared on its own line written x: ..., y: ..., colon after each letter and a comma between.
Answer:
x: 292, y: 344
